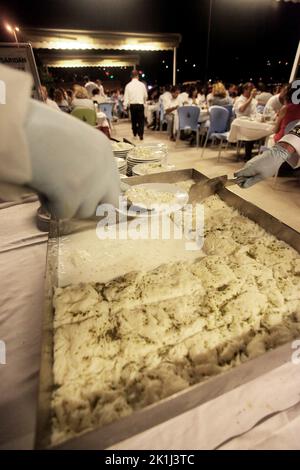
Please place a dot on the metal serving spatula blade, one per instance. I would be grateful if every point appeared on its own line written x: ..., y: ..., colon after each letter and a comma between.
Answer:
x: 203, y: 189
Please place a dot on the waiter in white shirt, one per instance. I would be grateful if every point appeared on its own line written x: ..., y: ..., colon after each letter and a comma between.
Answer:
x: 136, y: 96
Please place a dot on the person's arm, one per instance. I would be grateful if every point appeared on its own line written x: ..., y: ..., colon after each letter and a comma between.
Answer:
x: 170, y: 110
x: 126, y: 98
x: 279, y: 119
x: 145, y: 94
x: 244, y: 106
x: 265, y: 165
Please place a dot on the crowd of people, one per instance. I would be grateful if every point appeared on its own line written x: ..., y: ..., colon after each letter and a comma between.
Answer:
x: 157, y: 106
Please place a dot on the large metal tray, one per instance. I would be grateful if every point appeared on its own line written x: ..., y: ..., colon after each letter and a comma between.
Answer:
x: 178, y: 403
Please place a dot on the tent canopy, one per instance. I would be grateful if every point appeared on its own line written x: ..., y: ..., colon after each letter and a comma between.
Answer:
x: 44, y: 38
x: 88, y: 60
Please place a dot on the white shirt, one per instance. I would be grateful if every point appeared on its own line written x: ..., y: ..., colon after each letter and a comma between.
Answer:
x: 90, y: 86
x: 273, y: 106
x: 171, y: 103
x: 249, y: 111
x: 183, y: 97
x: 101, y: 91
x: 164, y: 98
x: 201, y: 98
x: 135, y: 93
x: 192, y: 102
x: 263, y: 98
x: 99, y: 98
x: 82, y: 103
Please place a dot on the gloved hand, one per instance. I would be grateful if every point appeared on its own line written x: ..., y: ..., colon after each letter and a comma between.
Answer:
x: 262, y: 166
x: 72, y: 163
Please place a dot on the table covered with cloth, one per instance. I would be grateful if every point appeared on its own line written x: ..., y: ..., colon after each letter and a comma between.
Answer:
x: 245, y: 129
x: 265, y: 413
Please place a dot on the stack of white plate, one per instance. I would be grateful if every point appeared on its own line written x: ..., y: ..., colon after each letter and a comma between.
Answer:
x: 121, y: 149
x: 147, y: 153
x: 122, y: 165
x: 144, y: 169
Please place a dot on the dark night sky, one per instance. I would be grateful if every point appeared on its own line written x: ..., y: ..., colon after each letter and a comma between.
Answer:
x: 245, y: 33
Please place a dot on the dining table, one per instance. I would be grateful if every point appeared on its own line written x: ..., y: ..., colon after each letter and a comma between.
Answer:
x: 250, y: 129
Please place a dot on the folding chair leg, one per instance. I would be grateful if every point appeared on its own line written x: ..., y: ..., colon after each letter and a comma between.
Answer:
x: 220, y: 149
x: 204, y: 147
x: 197, y: 138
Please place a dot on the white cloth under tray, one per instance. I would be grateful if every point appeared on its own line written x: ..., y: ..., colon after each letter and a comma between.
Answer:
x: 214, y: 424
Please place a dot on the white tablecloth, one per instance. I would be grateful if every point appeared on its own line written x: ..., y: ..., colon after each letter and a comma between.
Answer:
x: 246, y: 129
x: 22, y: 268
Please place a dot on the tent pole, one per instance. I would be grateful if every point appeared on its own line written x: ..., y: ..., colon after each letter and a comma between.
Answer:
x: 295, y: 65
x: 174, y: 65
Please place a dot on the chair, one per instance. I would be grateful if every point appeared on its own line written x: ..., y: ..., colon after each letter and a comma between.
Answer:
x: 229, y: 107
x: 218, y: 128
x: 162, y: 118
x: 107, y: 109
x: 188, y: 119
x: 85, y: 114
x: 260, y: 108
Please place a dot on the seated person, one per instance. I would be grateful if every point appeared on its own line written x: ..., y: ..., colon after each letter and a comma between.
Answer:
x: 245, y: 105
x: 171, y: 107
x: 47, y: 100
x: 289, y: 112
x: 183, y: 96
x: 193, y: 99
x: 152, y: 108
x: 97, y: 96
x: 201, y: 95
x: 81, y: 99
x: 276, y: 102
x: 60, y: 100
x: 218, y: 96
x: 233, y: 92
x: 263, y: 95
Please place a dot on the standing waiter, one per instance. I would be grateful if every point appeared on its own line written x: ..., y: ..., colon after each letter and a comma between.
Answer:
x: 136, y: 96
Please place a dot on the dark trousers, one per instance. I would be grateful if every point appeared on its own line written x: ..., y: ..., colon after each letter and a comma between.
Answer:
x: 248, y: 149
x: 137, y: 119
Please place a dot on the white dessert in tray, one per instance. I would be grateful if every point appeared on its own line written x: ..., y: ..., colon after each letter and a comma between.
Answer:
x: 121, y: 346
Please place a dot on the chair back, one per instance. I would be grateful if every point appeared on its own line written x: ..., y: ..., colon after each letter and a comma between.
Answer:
x: 229, y: 107
x: 107, y: 109
x: 188, y: 117
x: 260, y: 108
x: 291, y: 126
x: 219, y: 119
x: 85, y: 114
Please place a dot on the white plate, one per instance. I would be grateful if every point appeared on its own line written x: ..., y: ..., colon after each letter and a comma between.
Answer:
x: 181, y: 199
